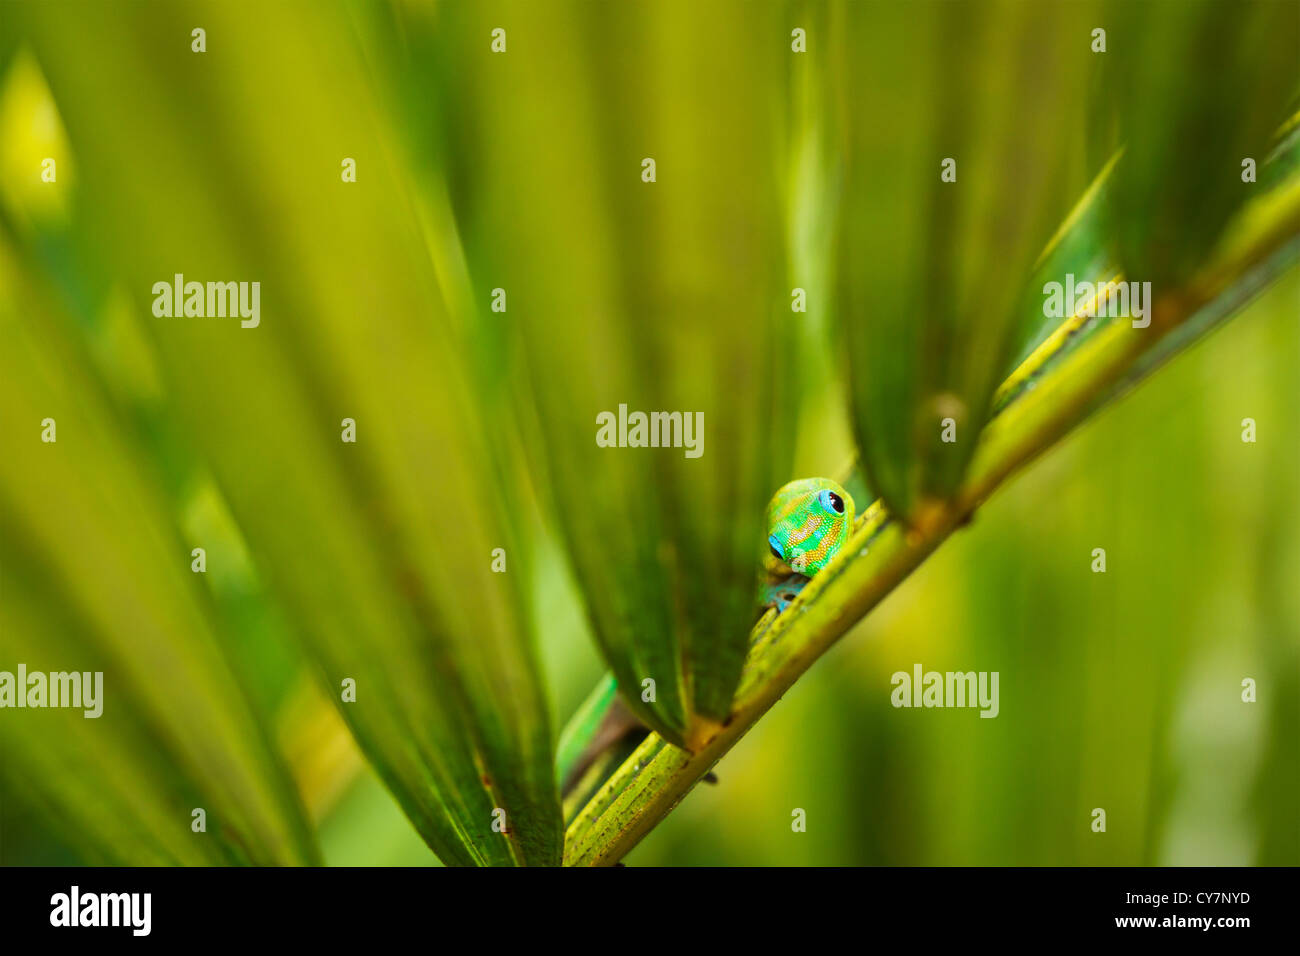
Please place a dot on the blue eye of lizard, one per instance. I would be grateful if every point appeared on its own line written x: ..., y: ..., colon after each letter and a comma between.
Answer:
x: 775, y: 546
x: 831, y: 501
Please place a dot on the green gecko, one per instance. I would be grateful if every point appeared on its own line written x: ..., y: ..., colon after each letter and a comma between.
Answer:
x: 808, y: 521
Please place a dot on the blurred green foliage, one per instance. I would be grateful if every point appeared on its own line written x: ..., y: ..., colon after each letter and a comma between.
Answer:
x: 1119, y: 690
x: 613, y: 306
x: 523, y: 171
x: 377, y: 555
x: 1203, y: 72
x: 956, y: 142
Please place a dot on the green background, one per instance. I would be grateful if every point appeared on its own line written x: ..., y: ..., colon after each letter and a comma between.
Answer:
x: 1119, y: 690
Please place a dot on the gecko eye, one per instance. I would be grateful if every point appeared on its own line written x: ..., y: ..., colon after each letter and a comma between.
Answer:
x: 773, y: 546
x: 832, y: 502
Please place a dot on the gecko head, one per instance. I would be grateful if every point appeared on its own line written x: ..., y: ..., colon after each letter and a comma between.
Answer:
x: 808, y: 521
